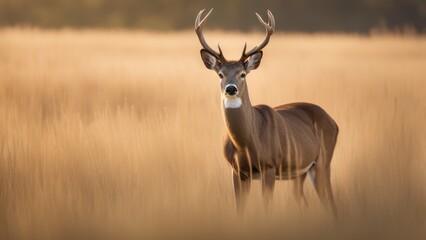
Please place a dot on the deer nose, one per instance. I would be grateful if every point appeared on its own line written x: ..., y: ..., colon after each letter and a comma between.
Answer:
x: 231, y: 90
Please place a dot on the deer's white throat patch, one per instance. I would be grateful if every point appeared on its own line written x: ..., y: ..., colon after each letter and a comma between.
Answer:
x: 232, y: 102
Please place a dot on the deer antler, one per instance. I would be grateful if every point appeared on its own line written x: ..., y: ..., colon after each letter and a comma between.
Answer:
x: 199, y: 30
x: 270, y: 28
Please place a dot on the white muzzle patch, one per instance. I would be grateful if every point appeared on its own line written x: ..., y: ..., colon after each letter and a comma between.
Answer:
x: 232, y: 102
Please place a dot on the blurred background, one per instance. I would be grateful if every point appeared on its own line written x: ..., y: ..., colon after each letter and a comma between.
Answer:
x: 102, y: 135
x: 298, y: 16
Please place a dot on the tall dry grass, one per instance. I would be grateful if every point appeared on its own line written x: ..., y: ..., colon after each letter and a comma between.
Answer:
x: 115, y: 134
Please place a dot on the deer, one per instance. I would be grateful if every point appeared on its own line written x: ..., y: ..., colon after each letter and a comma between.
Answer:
x: 287, y: 142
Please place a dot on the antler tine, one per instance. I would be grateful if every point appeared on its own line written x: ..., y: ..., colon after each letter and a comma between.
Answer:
x: 245, y: 47
x: 220, y: 50
x: 261, y: 20
x: 271, y: 17
x: 199, y: 24
x: 269, y: 27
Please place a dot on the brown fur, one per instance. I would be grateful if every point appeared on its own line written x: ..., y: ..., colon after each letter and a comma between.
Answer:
x: 285, y: 131
x: 285, y: 139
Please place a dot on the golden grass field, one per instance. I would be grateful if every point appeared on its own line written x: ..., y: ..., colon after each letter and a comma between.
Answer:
x: 118, y: 134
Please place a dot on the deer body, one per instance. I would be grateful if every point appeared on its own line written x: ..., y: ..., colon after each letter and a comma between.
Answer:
x: 263, y: 138
x: 286, y: 142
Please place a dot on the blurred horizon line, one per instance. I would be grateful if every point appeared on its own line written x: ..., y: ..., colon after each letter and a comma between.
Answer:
x: 360, y: 16
x: 404, y: 32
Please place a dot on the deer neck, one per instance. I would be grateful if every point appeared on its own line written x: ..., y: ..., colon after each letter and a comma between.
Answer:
x: 239, y: 117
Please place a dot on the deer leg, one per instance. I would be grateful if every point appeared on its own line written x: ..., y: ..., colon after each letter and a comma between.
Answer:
x: 268, y: 183
x: 324, y: 191
x: 320, y: 187
x: 298, y: 190
x: 242, y: 186
x: 311, y: 175
x: 330, y: 196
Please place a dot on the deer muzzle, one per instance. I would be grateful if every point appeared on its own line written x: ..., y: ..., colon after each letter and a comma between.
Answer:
x: 231, y: 90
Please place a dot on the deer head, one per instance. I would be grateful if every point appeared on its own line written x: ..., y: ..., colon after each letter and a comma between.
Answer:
x: 232, y: 74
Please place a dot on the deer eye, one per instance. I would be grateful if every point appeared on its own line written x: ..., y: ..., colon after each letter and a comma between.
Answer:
x: 220, y: 75
x: 243, y: 75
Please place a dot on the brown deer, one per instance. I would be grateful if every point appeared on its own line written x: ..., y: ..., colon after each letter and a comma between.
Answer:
x: 290, y: 141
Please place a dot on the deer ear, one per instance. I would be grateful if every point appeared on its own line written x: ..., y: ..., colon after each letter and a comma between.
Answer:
x: 253, y: 62
x: 209, y: 60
